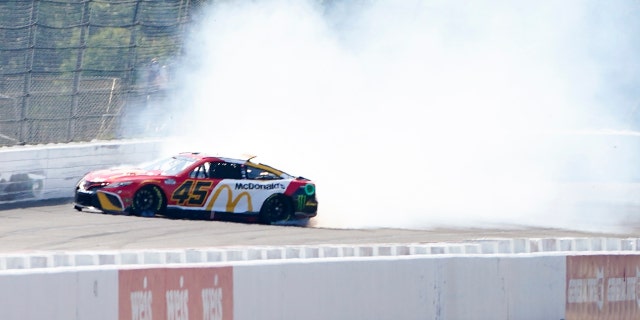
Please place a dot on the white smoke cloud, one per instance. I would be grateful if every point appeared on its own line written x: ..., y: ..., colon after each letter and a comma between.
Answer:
x: 415, y: 113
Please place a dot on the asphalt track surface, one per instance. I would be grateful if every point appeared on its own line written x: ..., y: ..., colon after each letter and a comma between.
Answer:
x: 53, y: 225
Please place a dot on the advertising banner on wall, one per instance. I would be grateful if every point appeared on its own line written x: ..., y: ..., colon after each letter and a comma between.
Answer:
x: 176, y: 293
x: 603, y: 287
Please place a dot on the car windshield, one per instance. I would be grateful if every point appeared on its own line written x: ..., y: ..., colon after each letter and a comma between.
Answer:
x: 169, y: 166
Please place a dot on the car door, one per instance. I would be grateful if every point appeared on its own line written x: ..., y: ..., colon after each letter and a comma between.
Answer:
x: 194, y: 191
x: 225, y: 195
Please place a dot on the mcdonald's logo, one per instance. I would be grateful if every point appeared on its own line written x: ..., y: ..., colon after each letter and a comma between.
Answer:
x: 231, y: 202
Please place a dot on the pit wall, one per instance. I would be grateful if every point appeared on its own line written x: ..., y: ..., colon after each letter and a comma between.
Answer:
x: 516, y: 286
x: 60, y: 166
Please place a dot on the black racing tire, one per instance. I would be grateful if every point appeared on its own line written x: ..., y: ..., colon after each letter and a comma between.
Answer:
x: 276, y: 208
x: 148, y: 202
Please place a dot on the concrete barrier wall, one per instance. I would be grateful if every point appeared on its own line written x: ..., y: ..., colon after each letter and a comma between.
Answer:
x: 59, y: 294
x: 475, y: 287
x: 59, y: 167
x: 514, y: 286
x: 443, y: 287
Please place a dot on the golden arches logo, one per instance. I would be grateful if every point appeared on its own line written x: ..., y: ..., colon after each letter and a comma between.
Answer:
x: 231, y: 203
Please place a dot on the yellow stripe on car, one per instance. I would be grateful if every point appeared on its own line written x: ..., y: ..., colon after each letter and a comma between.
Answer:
x: 266, y: 168
x: 106, y: 204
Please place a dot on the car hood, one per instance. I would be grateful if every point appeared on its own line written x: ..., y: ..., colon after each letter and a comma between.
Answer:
x: 109, y: 175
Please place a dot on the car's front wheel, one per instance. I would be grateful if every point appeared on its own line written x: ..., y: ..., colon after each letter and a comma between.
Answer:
x: 148, y: 201
x: 276, y: 208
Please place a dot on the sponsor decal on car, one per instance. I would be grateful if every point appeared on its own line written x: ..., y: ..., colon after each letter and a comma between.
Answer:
x: 259, y: 186
x: 192, y: 192
x: 302, y: 200
x: 206, y: 194
x: 231, y: 202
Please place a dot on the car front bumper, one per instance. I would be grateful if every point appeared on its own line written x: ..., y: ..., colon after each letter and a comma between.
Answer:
x: 104, y: 201
x: 86, y: 199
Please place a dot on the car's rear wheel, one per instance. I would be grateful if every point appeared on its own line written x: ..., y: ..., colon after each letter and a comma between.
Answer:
x: 276, y: 208
x: 148, y: 201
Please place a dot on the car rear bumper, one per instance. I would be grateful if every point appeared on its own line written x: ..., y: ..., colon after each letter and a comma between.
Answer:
x: 303, y: 215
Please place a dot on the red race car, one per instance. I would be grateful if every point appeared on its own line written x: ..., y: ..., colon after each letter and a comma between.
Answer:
x: 199, y: 186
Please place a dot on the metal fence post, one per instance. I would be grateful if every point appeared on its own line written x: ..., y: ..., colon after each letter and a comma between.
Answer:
x: 26, y: 88
x: 78, y: 72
